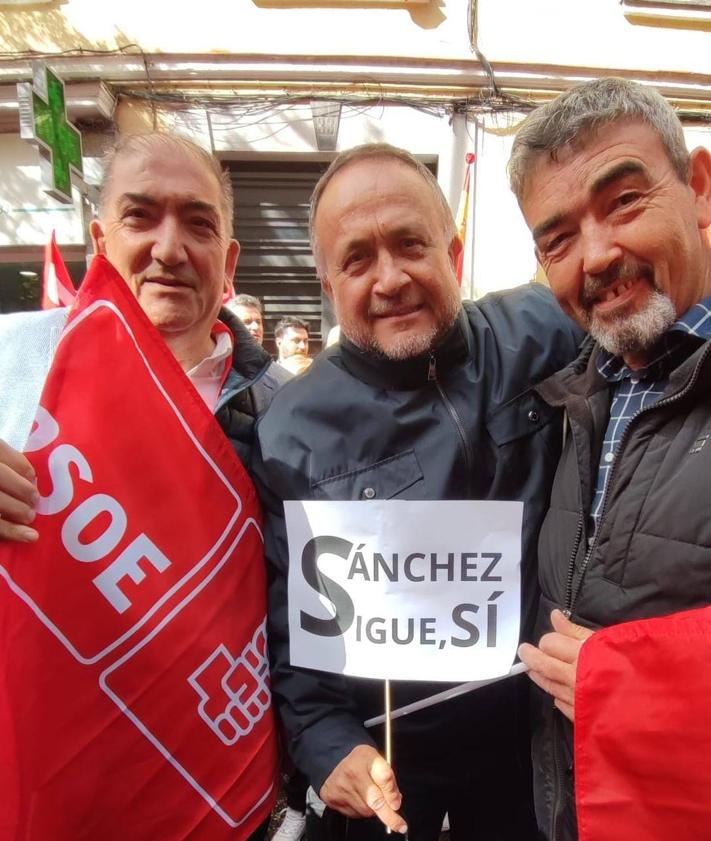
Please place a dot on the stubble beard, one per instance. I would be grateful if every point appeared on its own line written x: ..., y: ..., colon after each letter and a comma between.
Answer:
x: 407, y: 344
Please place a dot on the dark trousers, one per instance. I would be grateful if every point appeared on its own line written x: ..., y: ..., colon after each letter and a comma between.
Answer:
x: 260, y: 832
x: 295, y: 787
x: 483, y: 805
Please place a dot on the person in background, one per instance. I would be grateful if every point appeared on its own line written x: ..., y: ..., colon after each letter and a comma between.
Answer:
x: 249, y: 311
x: 292, y: 341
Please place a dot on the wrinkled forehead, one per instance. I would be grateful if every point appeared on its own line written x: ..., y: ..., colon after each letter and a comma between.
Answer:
x: 593, y: 146
x: 163, y: 171
x: 363, y: 183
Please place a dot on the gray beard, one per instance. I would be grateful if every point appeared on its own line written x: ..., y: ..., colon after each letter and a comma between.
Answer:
x: 405, y: 346
x: 638, y: 332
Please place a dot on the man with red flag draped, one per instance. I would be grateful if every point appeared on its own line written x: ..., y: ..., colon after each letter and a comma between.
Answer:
x: 620, y: 213
x: 135, y: 697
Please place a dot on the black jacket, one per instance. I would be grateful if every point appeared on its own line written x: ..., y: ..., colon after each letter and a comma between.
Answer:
x: 460, y: 423
x: 248, y: 389
x: 652, y: 552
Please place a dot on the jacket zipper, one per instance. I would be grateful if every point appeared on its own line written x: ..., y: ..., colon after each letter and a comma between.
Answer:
x: 571, y: 567
x: 572, y: 595
x: 468, y: 459
x: 557, y: 770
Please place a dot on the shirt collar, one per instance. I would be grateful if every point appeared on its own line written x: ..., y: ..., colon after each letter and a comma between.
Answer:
x: 209, y: 375
x: 696, y: 323
x: 214, y: 363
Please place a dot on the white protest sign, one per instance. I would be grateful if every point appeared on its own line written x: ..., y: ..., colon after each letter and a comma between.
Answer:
x: 405, y: 590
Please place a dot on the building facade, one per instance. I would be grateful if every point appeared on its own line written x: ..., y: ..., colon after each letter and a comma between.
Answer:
x: 277, y: 87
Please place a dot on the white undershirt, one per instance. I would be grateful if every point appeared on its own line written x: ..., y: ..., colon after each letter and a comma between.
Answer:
x: 207, y: 376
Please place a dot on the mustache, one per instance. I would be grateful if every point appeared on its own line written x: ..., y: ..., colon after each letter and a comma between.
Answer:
x: 387, y: 308
x: 594, y: 284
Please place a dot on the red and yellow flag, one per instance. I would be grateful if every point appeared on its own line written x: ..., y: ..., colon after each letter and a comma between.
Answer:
x: 463, y: 213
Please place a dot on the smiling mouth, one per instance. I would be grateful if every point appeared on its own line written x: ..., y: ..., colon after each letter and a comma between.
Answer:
x: 401, y: 312
x: 616, y: 291
x: 168, y: 282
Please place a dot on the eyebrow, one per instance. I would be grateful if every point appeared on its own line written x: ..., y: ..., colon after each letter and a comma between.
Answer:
x: 621, y: 170
x: 542, y: 229
x: 150, y: 201
x: 601, y: 183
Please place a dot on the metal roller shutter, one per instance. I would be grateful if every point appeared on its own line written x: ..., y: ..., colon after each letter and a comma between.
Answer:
x: 272, y: 225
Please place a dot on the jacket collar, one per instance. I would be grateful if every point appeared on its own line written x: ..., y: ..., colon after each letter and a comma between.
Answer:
x: 580, y: 378
x: 406, y: 374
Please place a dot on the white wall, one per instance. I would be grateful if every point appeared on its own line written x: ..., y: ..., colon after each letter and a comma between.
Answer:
x: 437, y: 29
x: 503, y: 252
x: 27, y: 213
x: 587, y: 33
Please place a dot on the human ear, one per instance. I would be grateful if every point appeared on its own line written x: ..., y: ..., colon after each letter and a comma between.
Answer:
x: 700, y: 183
x: 98, y: 240
x: 231, y: 259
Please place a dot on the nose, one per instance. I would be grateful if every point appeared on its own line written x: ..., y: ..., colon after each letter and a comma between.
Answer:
x: 390, y: 277
x: 168, y: 245
x: 600, y: 248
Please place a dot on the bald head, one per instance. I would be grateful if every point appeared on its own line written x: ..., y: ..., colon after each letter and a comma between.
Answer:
x: 376, y: 152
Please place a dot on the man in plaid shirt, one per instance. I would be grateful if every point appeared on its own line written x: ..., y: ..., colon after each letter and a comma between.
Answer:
x: 620, y: 214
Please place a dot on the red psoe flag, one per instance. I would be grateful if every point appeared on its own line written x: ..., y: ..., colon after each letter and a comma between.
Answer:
x: 57, y: 287
x: 463, y: 213
x: 134, y: 690
x: 643, y: 731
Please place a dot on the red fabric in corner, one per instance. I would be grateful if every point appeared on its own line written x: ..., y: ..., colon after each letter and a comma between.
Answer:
x: 643, y: 731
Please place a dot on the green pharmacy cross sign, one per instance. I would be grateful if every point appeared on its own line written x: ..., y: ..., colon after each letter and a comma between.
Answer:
x: 43, y: 121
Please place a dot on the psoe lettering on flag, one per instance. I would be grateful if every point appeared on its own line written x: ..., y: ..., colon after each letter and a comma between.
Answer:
x: 375, y: 590
x: 134, y: 626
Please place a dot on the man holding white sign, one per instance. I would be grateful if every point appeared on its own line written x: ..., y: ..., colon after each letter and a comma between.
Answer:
x: 423, y: 399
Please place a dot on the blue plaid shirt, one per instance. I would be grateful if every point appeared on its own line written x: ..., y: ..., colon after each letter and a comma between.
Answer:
x: 633, y: 391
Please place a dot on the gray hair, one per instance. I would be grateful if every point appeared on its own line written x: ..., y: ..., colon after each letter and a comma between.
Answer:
x: 572, y: 118
x: 244, y: 300
x: 369, y: 152
x: 132, y: 143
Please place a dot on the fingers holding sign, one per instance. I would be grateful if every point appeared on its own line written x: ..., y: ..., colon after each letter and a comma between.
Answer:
x: 18, y: 495
x: 553, y: 664
x: 362, y: 785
